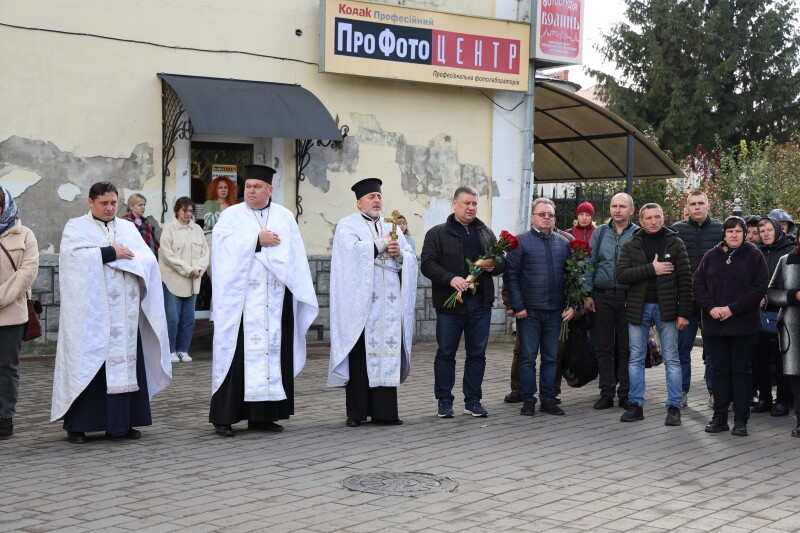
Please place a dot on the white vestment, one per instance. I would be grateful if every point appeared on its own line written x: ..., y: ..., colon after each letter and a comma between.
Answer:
x: 249, y: 287
x: 102, y: 309
x: 368, y: 296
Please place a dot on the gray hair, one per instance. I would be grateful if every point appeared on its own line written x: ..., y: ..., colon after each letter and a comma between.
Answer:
x: 547, y: 201
x: 464, y: 189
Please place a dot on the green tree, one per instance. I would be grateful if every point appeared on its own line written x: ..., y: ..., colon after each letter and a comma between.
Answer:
x: 695, y: 69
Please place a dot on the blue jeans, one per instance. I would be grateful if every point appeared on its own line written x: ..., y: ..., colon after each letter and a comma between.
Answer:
x: 668, y: 334
x: 685, y: 344
x: 538, y: 332
x: 180, y: 320
x: 475, y: 327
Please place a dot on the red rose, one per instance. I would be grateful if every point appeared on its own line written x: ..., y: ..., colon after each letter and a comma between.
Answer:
x: 511, y: 241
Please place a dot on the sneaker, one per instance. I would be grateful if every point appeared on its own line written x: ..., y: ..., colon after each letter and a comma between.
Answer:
x: 633, y: 414
x: 603, y: 403
x: 445, y: 409
x: 710, y: 401
x: 174, y: 358
x: 717, y: 425
x: 673, y: 416
x: 184, y: 357
x: 739, y: 429
x: 476, y: 410
x: 551, y: 408
x: 529, y: 409
x: 685, y: 399
x: 6, y: 428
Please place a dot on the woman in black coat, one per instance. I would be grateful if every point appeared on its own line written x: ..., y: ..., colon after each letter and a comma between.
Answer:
x: 774, y: 245
x: 784, y: 293
x: 728, y: 286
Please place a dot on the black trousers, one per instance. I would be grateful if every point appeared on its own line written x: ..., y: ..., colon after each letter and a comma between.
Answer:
x: 765, y: 353
x: 732, y: 374
x: 228, y: 405
x: 611, y: 328
x: 96, y: 410
x: 362, y: 400
x: 794, y: 381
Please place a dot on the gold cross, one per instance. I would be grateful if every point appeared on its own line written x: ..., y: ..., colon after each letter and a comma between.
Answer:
x: 395, y: 219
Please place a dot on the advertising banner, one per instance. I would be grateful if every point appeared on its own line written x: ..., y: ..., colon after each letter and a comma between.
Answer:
x: 379, y: 41
x: 558, y: 27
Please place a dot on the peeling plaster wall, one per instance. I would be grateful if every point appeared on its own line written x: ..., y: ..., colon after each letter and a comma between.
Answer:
x: 55, y: 184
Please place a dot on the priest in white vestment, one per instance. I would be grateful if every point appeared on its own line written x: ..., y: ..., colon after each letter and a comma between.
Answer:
x: 372, y: 293
x: 264, y: 303
x: 113, y: 347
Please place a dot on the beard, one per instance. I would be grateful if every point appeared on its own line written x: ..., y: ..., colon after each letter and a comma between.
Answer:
x: 375, y: 213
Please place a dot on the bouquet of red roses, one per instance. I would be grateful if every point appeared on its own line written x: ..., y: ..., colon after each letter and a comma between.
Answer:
x: 574, y: 280
x: 495, y: 253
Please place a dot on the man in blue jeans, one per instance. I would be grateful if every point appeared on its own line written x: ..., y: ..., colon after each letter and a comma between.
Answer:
x: 534, y: 279
x: 443, y: 260
x: 655, y: 266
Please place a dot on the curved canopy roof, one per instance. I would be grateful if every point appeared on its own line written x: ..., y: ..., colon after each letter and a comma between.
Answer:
x: 576, y: 139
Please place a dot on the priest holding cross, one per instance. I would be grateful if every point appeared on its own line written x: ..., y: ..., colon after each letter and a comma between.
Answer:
x: 372, y: 294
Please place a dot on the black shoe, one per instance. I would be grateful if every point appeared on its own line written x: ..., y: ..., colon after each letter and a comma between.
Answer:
x: 513, y: 397
x: 224, y: 431
x: 717, y: 425
x: 796, y: 431
x: 551, y: 408
x: 133, y: 434
x: 76, y: 437
x: 673, y: 416
x: 528, y: 409
x: 604, y: 403
x: 6, y: 428
x: 352, y: 423
x: 780, y: 410
x: 395, y: 422
x: 624, y: 403
x: 739, y: 429
x: 633, y: 414
x: 264, y: 426
x: 761, y: 406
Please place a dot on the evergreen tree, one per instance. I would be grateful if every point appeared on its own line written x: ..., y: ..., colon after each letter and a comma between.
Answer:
x: 695, y: 69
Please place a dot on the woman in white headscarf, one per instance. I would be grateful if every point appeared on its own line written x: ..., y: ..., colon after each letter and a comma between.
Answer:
x: 19, y: 266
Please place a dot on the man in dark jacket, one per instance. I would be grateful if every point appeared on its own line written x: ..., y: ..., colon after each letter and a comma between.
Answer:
x: 699, y: 234
x: 534, y: 279
x: 607, y: 301
x: 443, y: 261
x: 655, y: 266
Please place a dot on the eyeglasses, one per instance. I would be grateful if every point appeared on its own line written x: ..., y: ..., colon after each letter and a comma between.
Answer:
x: 545, y: 215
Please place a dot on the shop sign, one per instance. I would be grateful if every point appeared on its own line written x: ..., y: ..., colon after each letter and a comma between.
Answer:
x: 223, y: 171
x: 366, y: 39
x: 559, y: 32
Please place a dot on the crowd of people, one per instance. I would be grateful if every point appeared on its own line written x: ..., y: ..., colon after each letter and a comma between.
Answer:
x: 128, y: 300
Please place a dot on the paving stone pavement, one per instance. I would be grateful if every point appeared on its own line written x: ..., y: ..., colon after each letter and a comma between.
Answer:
x: 585, y: 471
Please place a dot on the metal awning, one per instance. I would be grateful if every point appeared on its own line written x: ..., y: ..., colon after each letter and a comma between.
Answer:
x: 576, y: 140
x: 252, y: 108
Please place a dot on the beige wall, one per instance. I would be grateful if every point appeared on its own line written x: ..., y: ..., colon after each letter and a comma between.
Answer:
x: 78, y: 109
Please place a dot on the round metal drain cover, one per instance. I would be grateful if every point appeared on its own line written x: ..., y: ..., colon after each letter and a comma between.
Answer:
x: 399, y: 483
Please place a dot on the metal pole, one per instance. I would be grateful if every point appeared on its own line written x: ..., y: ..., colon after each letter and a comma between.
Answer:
x: 527, y: 152
x: 629, y: 176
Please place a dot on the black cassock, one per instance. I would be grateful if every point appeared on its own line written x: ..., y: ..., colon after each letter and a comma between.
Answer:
x: 362, y: 400
x: 96, y: 410
x: 228, y: 405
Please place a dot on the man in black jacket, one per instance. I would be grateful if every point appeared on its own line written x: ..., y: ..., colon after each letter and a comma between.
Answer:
x: 654, y: 265
x: 443, y: 260
x: 699, y: 234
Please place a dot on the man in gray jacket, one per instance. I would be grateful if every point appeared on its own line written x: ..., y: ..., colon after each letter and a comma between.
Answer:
x: 607, y: 301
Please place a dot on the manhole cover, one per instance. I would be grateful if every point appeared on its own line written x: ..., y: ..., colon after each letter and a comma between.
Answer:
x: 399, y: 483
